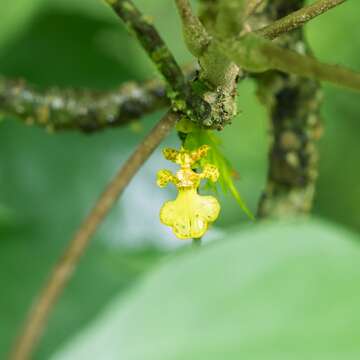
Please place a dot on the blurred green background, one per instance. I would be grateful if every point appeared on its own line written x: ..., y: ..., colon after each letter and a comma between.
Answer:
x: 49, y: 182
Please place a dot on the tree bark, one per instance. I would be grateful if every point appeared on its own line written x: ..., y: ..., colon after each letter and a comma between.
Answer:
x: 293, y: 104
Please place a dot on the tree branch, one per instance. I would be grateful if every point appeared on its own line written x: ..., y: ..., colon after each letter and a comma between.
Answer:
x: 65, y: 267
x: 256, y: 54
x: 184, y: 99
x: 297, y: 18
x: 196, y: 37
x: 88, y: 111
x: 218, y: 75
x: 293, y: 105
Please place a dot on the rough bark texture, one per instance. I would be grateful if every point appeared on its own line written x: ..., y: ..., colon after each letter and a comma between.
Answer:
x: 88, y: 111
x: 293, y: 104
x: 184, y: 99
x: 217, y: 73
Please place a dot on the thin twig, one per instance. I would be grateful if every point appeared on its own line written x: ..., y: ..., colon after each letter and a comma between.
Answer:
x: 65, y: 267
x: 297, y: 18
x: 85, y: 110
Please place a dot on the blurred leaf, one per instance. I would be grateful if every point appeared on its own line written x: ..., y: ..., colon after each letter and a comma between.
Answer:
x: 24, y: 266
x: 7, y: 217
x: 277, y: 291
x: 121, y: 45
x: 15, y: 16
x: 94, y: 8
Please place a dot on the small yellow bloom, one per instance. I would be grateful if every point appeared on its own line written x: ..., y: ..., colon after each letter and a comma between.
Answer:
x: 190, y: 214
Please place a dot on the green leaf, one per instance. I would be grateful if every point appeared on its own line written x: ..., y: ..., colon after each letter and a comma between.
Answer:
x: 277, y: 291
x: 7, y: 217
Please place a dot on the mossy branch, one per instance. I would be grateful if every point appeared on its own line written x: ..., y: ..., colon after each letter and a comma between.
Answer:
x: 218, y: 75
x: 256, y: 54
x: 184, y: 99
x: 293, y: 105
x: 142, y: 27
x: 88, y: 111
x: 298, y: 18
x: 196, y: 37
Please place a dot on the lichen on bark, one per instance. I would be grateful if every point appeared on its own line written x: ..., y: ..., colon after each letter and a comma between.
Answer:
x: 217, y: 78
x: 57, y: 109
x: 151, y: 41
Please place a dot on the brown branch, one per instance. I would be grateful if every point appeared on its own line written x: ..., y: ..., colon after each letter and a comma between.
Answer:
x: 88, y: 111
x: 298, y: 18
x: 65, y: 267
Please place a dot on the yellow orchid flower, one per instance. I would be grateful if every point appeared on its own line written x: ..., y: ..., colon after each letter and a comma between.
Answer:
x: 190, y: 214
